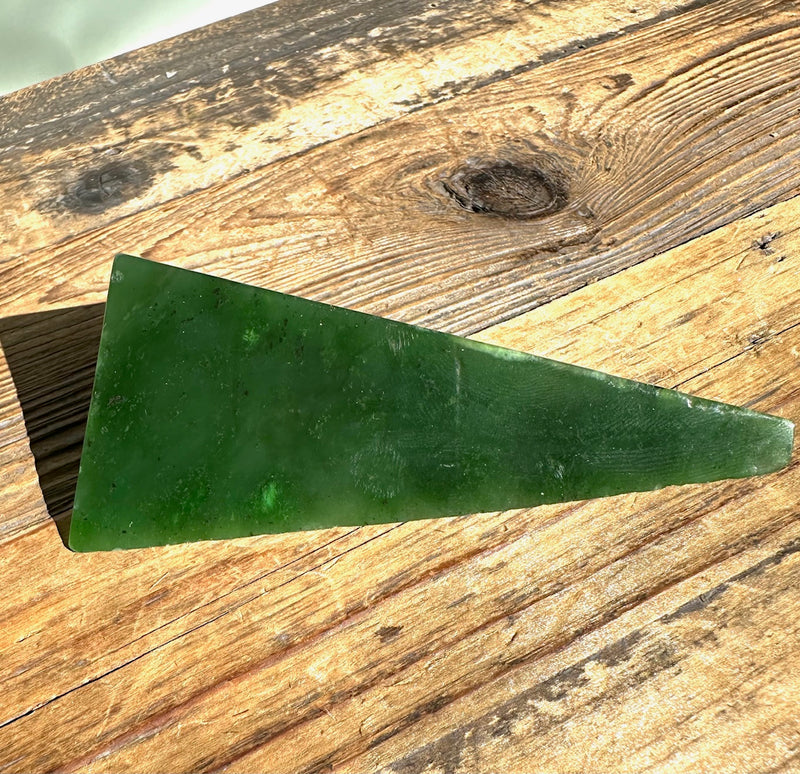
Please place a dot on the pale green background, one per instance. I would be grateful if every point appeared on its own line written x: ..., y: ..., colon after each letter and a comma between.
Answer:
x: 40, y: 39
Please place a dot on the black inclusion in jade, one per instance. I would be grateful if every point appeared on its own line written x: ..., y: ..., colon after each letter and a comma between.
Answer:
x: 221, y: 410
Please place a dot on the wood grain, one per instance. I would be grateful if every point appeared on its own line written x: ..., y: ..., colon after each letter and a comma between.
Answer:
x: 396, y: 646
x: 134, y: 132
x: 694, y: 137
x: 512, y: 170
x: 681, y: 691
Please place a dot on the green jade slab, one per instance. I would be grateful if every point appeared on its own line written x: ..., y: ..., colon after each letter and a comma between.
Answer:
x: 222, y: 410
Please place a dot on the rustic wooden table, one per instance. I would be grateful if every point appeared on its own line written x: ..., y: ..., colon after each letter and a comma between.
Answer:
x: 609, y: 183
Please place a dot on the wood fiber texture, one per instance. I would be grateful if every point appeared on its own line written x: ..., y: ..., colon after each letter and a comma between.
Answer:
x: 602, y: 183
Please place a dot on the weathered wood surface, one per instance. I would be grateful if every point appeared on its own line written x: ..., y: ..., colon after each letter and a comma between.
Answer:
x: 598, y: 160
x: 80, y: 151
x: 653, y: 631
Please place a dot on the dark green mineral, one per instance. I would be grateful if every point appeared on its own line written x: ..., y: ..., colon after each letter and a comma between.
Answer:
x: 221, y: 410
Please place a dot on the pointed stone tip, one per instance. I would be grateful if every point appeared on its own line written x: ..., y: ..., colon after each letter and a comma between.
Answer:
x: 772, y: 444
x: 785, y: 442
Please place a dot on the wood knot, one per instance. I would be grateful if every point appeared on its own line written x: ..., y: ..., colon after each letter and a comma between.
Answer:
x: 98, y: 189
x: 507, y: 189
x: 120, y: 176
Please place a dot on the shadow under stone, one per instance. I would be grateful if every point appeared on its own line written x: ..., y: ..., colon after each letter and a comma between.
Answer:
x: 52, y: 357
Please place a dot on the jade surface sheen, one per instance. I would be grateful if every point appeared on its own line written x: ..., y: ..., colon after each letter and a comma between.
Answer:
x: 222, y: 410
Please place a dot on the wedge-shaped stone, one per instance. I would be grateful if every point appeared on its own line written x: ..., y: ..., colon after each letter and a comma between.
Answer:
x: 222, y: 410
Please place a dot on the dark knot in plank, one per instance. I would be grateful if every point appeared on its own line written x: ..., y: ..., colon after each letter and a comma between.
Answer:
x: 98, y: 189
x: 102, y: 183
x: 507, y: 189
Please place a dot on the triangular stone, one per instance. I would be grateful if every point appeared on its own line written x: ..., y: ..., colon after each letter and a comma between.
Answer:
x: 222, y: 410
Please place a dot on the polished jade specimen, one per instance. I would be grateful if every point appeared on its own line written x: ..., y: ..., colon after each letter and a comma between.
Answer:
x: 222, y: 410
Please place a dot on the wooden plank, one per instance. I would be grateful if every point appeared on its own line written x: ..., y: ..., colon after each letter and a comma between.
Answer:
x: 582, y: 178
x: 20, y: 497
x: 667, y: 303
x: 136, y: 131
x: 714, y: 679
x: 195, y: 657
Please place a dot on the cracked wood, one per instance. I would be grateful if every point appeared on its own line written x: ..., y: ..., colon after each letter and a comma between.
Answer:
x: 242, y: 93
